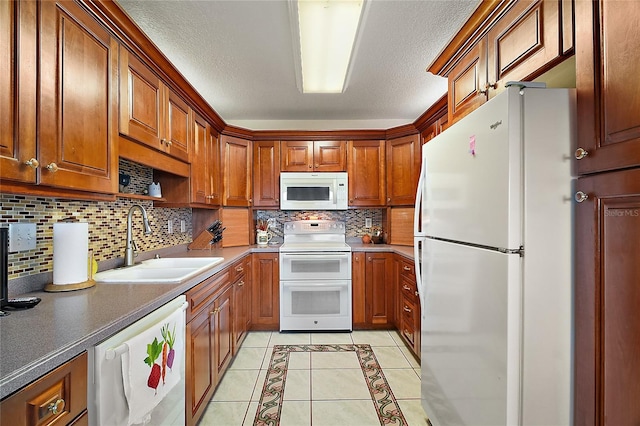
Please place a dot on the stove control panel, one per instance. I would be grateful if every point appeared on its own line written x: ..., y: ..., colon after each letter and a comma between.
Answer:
x: 315, y: 227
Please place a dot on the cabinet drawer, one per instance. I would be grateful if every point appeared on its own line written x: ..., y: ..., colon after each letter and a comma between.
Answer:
x: 408, y: 320
x: 200, y: 296
x: 238, y: 270
x: 57, y: 398
x: 407, y: 269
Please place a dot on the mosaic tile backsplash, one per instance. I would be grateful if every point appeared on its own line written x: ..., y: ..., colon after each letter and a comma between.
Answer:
x: 107, y: 223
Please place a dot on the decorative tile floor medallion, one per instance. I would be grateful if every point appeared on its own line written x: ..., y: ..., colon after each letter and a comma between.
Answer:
x: 270, y: 405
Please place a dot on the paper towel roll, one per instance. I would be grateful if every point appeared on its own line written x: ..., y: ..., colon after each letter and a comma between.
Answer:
x: 70, y: 252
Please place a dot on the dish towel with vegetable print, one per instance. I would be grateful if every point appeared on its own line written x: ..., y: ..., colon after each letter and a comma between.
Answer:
x: 151, y: 366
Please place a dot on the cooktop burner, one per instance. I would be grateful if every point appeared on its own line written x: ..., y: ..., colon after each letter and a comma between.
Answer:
x: 314, y: 235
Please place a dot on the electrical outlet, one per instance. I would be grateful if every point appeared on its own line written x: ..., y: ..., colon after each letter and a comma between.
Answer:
x: 170, y: 226
x: 183, y: 226
x: 367, y: 222
x: 22, y: 236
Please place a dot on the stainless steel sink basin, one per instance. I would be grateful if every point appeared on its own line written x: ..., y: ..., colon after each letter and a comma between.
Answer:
x: 168, y: 270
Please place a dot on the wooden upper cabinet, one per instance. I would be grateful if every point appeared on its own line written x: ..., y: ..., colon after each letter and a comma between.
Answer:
x: 467, y: 82
x: 266, y: 173
x: 607, y: 63
x: 199, y: 164
x: 516, y: 40
x: 237, y: 167
x: 205, y: 164
x: 18, y: 58
x: 78, y: 100
x: 524, y: 42
x: 366, y: 166
x: 150, y: 112
x: 403, y: 169
x: 317, y: 156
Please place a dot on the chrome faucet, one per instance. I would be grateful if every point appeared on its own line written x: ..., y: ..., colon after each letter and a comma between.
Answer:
x: 131, y: 250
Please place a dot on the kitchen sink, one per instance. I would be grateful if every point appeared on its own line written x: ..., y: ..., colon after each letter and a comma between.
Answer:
x: 168, y: 270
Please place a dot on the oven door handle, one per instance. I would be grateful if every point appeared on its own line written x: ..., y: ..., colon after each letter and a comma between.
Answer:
x: 314, y: 288
x: 324, y: 255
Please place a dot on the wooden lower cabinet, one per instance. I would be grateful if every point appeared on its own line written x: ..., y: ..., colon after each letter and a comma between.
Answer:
x: 59, y: 397
x: 241, y: 301
x: 373, y: 290
x: 408, y: 306
x: 209, y: 340
x: 265, y: 293
x: 607, y: 296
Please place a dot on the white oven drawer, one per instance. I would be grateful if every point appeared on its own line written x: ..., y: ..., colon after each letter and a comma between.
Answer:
x: 315, y: 305
x: 315, y: 266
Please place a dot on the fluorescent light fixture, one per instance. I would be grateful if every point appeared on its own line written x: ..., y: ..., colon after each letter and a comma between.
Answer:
x: 328, y: 31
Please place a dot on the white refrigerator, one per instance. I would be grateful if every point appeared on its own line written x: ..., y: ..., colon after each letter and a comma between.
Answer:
x: 493, y: 241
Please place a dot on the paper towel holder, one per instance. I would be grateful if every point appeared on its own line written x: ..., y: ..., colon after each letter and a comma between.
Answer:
x: 90, y: 282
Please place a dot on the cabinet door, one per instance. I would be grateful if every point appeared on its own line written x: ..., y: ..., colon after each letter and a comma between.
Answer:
x: 265, y: 299
x: 358, y: 286
x: 237, y: 171
x: 242, y: 303
x: 525, y: 41
x: 177, y: 134
x: 607, y: 296
x: 18, y: 58
x: 367, y: 173
x: 200, y: 371
x: 403, y: 168
x: 380, y: 288
x: 329, y: 156
x: 200, y: 168
x: 467, y: 82
x: 141, y: 101
x: 78, y: 100
x: 223, y: 329
x: 297, y: 156
x: 607, y: 63
x: 214, y: 174
x: 266, y: 174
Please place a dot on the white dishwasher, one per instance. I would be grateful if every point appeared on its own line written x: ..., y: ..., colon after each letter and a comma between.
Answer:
x: 137, y: 375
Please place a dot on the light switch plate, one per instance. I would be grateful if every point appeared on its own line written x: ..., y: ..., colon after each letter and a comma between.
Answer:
x: 367, y: 222
x: 22, y: 236
x: 183, y: 226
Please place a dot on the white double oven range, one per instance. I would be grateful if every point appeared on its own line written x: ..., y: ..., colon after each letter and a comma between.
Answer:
x: 315, y: 277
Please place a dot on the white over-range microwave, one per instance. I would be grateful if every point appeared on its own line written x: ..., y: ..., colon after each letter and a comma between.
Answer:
x: 313, y: 191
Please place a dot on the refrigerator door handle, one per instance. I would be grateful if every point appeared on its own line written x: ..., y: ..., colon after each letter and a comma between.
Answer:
x: 417, y: 243
x: 417, y: 212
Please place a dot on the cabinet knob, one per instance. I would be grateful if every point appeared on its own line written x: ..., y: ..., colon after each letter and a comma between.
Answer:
x: 406, y: 287
x: 239, y: 269
x: 350, y: 201
x: 53, y: 167
x: 407, y: 309
x: 163, y: 141
x: 369, y: 258
x: 581, y: 153
x: 310, y: 166
x: 240, y: 283
x: 581, y: 197
x: 416, y: 293
x: 33, y: 163
x: 168, y: 142
x: 56, y: 407
x: 215, y: 311
x: 389, y: 200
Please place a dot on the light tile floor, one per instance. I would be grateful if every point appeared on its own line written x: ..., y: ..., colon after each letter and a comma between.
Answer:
x: 321, y: 388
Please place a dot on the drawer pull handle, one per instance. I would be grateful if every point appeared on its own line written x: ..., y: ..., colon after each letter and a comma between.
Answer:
x: 240, y: 283
x: 239, y: 269
x: 581, y: 153
x: 406, y: 268
x: 581, y: 197
x: 406, y: 287
x: 406, y: 309
x: 215, y: 311
x: 56, y: 407
x: 33, y: 163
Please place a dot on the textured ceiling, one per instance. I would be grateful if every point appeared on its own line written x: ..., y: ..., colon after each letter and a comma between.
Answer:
x: 239, y: 57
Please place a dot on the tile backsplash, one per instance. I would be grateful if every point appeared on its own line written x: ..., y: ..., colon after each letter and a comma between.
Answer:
x: 355, y: 219
x: 107, y: 224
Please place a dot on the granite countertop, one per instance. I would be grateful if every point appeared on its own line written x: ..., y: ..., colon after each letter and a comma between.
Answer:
x: 63, y: 325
